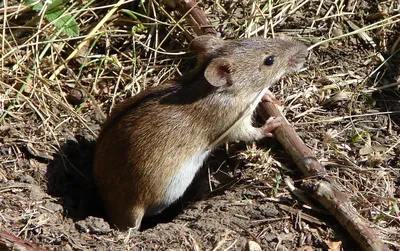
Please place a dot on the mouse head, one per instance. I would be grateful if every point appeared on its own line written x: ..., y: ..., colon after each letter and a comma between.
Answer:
x: 247, y: 64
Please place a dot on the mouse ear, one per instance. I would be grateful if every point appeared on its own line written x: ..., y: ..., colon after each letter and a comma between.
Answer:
x: 205, y: 45
x: 218, y: 72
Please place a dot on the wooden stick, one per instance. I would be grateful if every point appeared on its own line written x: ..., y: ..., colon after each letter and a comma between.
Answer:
x: 11, y: 242
x: 196, y: 17
x: 318, y: 184
x: 322, y: 188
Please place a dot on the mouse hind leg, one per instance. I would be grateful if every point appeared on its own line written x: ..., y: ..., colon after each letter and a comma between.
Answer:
x: 129, y: 218
x: 136, y: 217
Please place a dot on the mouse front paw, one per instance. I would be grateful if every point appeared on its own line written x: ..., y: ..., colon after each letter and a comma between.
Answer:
x: 270, y: 125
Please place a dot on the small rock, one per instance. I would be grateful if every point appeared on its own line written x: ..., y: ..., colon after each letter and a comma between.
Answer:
x: 66, y: 248
x: 253, y: 246
x: 281, y: 248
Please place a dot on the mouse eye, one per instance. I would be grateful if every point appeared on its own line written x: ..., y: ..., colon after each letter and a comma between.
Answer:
x: 269, y: 60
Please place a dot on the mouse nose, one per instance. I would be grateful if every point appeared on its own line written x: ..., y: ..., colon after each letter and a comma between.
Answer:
x: 296, y: 62
x: 298, y: 58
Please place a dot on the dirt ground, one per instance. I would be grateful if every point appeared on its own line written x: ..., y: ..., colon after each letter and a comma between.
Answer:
x: 344, y: 105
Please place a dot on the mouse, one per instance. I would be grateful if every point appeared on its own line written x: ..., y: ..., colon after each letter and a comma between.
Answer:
x: 152, y: 145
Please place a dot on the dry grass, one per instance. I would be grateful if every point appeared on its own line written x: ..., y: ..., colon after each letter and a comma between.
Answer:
x: 56, y: 89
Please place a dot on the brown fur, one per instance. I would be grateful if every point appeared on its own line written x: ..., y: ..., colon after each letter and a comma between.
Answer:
x: 149, y: 137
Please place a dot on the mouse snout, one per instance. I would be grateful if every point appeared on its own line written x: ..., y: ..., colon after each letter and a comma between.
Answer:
x: 297, y: 60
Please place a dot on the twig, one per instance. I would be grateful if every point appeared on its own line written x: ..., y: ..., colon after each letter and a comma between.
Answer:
x: 10, y: 242
x: 196, y: 18
x: 321, y: 187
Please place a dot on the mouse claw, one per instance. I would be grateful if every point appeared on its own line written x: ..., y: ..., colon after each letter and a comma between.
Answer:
x: 270, y: 125
x: 270, y: 97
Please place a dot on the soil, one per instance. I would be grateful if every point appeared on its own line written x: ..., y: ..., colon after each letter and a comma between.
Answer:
x: 345, y: 106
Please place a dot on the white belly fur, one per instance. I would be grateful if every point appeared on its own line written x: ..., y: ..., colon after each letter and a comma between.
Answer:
x: 180, y: 182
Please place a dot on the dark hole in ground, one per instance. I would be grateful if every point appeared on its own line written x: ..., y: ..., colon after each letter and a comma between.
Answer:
x: 69, y: 179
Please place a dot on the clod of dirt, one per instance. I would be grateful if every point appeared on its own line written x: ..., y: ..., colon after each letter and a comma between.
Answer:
x: 36, y: 193
x: 25, y: 178
x: 93, y: 225
x: 251, y: 194
x: 262, y: 211
x: 54, y: 207
x: 76, y: 97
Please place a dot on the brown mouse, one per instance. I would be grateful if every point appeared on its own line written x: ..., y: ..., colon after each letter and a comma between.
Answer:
x: 153, y: 144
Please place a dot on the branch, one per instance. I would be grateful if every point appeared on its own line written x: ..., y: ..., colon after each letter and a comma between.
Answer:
x: 10, y: 242
x: 196, y: 17
x: 321, y: 187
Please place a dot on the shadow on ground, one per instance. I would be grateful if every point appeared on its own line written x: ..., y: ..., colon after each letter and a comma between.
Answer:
x: 69, y: 178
